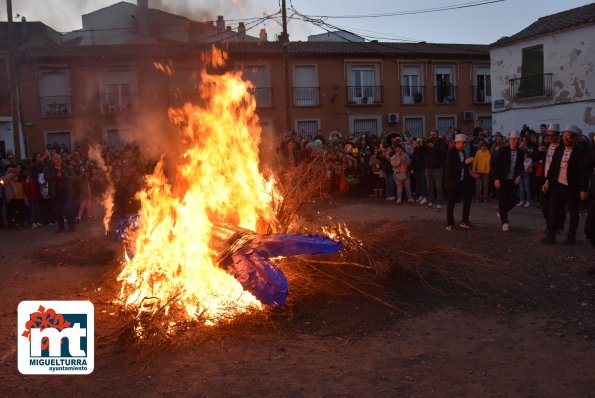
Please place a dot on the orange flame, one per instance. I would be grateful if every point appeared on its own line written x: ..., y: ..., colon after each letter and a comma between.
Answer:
x: 217, y: 179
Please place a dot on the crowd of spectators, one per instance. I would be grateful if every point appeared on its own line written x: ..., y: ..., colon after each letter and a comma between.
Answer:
x: 62, y: 187
x: 402, y: 168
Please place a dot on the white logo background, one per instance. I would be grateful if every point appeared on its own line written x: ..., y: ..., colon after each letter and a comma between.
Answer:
x: 73, y: 333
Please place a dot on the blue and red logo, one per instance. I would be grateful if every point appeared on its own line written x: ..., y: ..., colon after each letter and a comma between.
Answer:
x: 56, y: 337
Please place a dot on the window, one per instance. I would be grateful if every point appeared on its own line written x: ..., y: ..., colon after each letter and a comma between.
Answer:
x: 486, y: 122
x: 113, y: 137
x: 412, y: 90
x: 482, y: 88
x: 117, y: 91
x: 532, y: 72
x: 59, y: 138
x: 445, y: 88
x: 55, y: 96
x: 259, y: 77
x: 444, y: 122
x: 413, y: 125
x: 305, y: 85
x: 305, y: 128
x: 365, y: 126
x: 363, y: 88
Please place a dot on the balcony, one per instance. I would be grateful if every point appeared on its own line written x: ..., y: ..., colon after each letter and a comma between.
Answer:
x: 263, y: 96
x: 445, y: 94
x: 482, y: 94
x: 117, y: 103
x: 535, y: 86
x: 55, y: 106
x: 364, y: 95
x: 413, y: 95
x: 306, y: 96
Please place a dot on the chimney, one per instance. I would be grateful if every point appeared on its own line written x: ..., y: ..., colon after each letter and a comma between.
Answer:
x: 241, y: 28
x: 142, y: 15
x: 220, y: 23
x: 228, y: 28
x: 24, y: 27
x: 263, y: 34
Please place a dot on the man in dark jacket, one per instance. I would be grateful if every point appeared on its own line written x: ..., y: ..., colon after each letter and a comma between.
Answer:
x: 508, y: 168
x: 546, y: 154
x: 458, y: 182
x: 435, y: 153
x: 568, y: 180
x: 60, y: 191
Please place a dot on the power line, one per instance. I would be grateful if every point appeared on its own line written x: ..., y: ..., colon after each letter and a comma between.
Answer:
x: 411, y: 12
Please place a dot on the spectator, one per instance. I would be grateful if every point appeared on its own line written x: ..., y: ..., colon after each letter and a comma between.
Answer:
x: 508, y: 168
x: 568, y: 179
x: 400, y: 162
x: 33, y: 197
x: 435, y: 153
x: 458, y: 182
x: 481, y: 167
x: 60, y: 192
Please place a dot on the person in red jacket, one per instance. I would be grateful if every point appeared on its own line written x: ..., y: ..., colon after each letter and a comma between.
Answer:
x: 33, y: 198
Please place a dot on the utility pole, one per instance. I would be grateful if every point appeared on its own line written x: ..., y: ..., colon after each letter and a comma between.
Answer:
x: 12, y: 78
x: 284, y: 40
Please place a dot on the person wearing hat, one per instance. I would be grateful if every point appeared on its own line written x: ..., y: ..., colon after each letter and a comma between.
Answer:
x: 458, y: 182
x: 546, y: 153
x: 568, y: 182
x: 508, y: 167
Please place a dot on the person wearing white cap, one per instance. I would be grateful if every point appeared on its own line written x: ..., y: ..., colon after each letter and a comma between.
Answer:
x: 551, y: 142
x: 458, y: 182
x: 568, y: 181
x: 508, y: 168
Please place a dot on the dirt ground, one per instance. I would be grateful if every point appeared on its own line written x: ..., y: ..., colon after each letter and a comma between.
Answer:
x: 532, y: 337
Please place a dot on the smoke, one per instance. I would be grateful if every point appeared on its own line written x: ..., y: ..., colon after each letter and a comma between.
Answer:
x: 110, y: 190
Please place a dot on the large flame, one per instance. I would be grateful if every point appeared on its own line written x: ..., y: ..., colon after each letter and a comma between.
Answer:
x: 217, y: 180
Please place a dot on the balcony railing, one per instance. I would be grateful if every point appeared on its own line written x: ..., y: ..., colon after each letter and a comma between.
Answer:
x: 445, y: 94
x: 531, y: 86
x: 482, y: 94
x: 55, y: 105
x: 306, y: 96
x: 364, y: 95
x: 263, y: 96
x: 412, y: 94
x: 117, y: 103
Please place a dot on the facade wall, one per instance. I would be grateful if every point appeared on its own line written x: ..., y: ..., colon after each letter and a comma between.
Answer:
x: 570, y: 57
x: 152, y: 94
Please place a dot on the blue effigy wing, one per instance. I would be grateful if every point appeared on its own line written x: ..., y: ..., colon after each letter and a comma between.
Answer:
x: 288, y: 245
x: 128, y: 222
x: 258, y: 276
x: 250, y: 264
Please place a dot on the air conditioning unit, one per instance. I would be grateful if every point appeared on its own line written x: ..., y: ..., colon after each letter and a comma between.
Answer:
x: 393, y: 117
x: 468, y: 115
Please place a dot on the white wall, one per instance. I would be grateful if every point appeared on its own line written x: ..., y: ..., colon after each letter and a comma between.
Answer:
x: 570, y: 56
